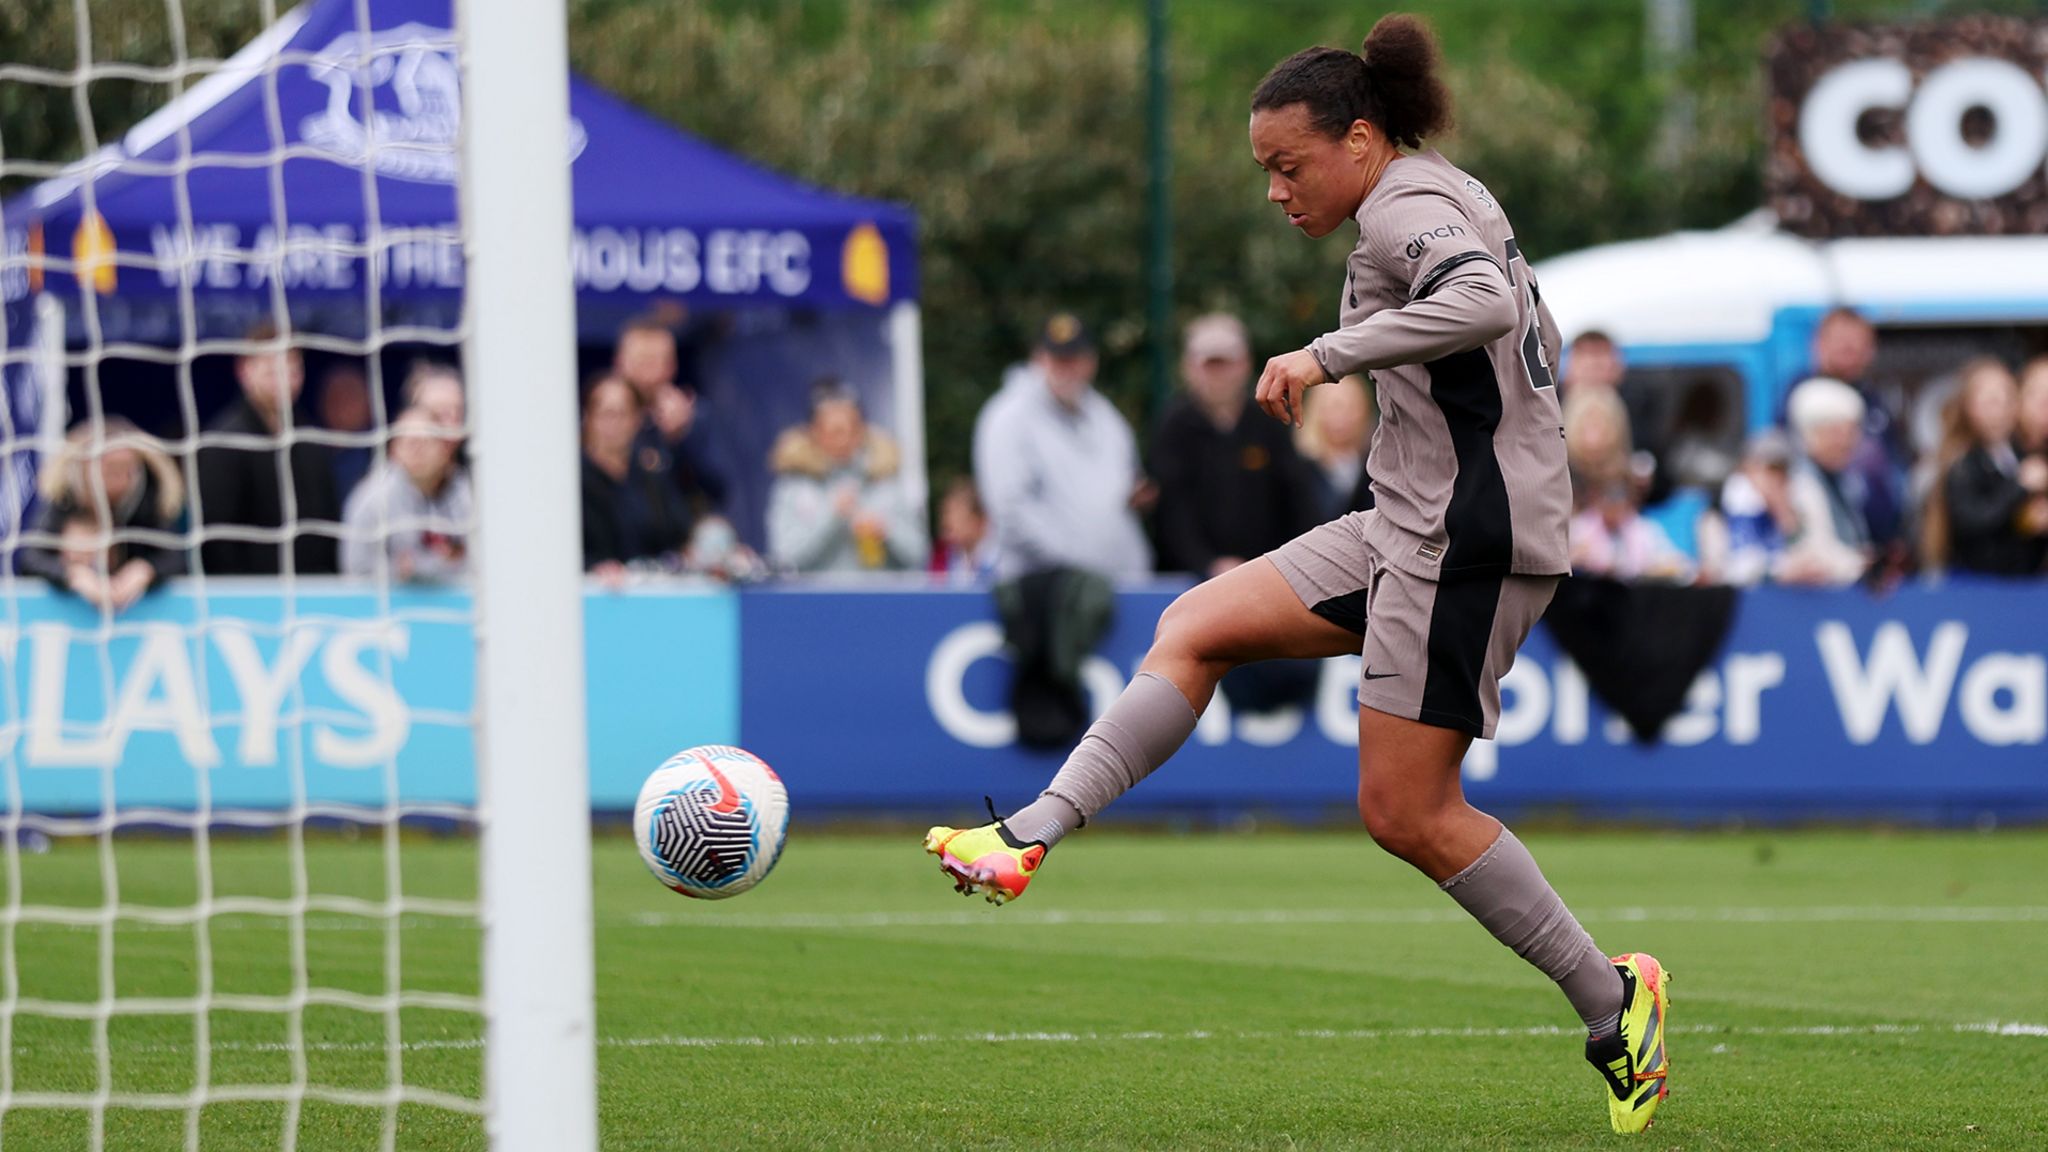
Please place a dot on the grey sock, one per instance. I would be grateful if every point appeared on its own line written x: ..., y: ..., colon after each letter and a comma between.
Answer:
x: 1505, y: 891
x: 1143, y: 726
x: 1045, y: 819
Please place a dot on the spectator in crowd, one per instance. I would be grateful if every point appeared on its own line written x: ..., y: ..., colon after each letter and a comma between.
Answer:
x: 1741, y: 541
x: 110, y: 509
x: 345, y: 407
x: 838, y: 504
x: 1594, y: 366
x: 2032, y: 435
x: 646, y: 359
x: 1058, y: 465
x: 1335, y: 439
x: 964, y: 552
x: 1597, y: 447
x: 1231, y: 487
x: 244, y: 486
x: 1610, y: 537
x: 1593, y: 363
x: 1832, y: 543
x: 631, y: 512
x: 1986, y: 513
x: 413, y: 511
x: 1845, y: 348
x: 435, y: 389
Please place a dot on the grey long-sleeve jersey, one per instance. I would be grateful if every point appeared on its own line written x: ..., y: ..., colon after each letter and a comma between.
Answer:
x: 1468, y: 462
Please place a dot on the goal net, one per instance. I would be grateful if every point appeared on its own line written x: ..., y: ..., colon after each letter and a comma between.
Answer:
x: 294, y: 838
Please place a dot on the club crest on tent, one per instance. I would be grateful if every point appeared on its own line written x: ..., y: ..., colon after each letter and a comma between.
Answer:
x: 411, y: 127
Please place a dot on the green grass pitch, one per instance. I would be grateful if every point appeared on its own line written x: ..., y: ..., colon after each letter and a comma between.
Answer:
x: 1832, y: 990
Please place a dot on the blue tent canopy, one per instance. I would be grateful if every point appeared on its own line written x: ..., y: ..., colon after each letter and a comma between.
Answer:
x: 363, y: 208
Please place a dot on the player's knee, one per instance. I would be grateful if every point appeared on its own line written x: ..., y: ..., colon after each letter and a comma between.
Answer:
x: 1181, y: 629
x: 1400, y: 828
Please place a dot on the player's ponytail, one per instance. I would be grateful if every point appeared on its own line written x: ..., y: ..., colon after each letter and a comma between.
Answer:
x: 1395, y: 83
x: 1406, y: 96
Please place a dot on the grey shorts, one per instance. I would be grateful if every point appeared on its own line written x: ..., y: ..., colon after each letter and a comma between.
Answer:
x: 1434, y: 650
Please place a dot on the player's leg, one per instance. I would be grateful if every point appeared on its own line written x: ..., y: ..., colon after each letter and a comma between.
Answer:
x: 1434, y: 657
x: 1249, y: 613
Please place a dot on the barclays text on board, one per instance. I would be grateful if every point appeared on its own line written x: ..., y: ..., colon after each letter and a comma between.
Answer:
x: 1930, y: 702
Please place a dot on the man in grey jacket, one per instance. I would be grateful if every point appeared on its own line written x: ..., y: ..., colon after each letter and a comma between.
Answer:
x: 1057, y: 465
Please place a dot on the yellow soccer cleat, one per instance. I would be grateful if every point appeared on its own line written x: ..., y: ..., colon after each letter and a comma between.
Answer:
x: 987, y: 860
x: 1634, y: 1061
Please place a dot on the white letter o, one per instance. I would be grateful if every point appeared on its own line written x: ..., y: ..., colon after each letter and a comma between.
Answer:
x: 1934, y: 128
x: 1827, y: 130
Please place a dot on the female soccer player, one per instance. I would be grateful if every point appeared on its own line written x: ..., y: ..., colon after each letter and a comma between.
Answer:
x: 1442, y: 580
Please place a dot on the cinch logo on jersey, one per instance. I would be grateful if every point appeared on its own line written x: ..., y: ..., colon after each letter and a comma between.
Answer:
x: 1420, y: 240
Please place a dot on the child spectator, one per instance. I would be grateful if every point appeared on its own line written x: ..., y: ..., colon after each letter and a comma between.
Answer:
x: 1978, y: 516
x: 1610, y: 537
x: 1335, y: 438
x: 109, y: 511
x: 1742, y: 541
x: 631, y: 511
x: 413, y: 511
x: 435, y: 390
x: 964, y: 552
x: 837, y: 504
x: 1832, y: 542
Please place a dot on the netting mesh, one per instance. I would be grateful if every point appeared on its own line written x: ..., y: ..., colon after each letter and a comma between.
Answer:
x: 240, y: 894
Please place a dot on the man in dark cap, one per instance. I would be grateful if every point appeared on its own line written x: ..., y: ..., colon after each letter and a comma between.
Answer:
x: 1057, y: 464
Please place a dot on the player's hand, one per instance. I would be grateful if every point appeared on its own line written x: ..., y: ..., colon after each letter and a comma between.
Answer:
x: 1284, y: 381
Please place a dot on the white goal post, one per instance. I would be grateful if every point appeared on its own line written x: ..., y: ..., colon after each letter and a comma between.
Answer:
x: 540, y: 1064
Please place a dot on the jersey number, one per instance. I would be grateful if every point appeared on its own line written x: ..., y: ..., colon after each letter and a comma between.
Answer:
x: 1532, y: 338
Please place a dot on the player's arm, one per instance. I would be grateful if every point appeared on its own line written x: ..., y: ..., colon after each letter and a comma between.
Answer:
x: 1459, y: 296
x: 1470, y: 307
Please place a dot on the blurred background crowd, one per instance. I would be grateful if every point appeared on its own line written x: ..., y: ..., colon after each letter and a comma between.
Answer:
x: 1856, y: 482
x: 1081, y: 412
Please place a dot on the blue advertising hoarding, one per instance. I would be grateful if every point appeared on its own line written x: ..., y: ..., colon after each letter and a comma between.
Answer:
x: 243, y: 693
x: 1931, y: 704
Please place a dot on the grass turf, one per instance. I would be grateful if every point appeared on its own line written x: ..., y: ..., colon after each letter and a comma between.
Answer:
x: 1271, y: 991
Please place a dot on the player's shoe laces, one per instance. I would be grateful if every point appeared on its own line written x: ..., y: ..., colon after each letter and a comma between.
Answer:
x: 1633, y: 1060
x: 987, y: 859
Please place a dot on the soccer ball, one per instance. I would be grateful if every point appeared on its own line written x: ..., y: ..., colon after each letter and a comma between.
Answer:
x: 711, y: 821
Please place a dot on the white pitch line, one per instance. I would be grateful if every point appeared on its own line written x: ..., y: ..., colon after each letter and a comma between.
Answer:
x: 1993, y: 1028
x: 1793, y: 914
x: 1139, y: 917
